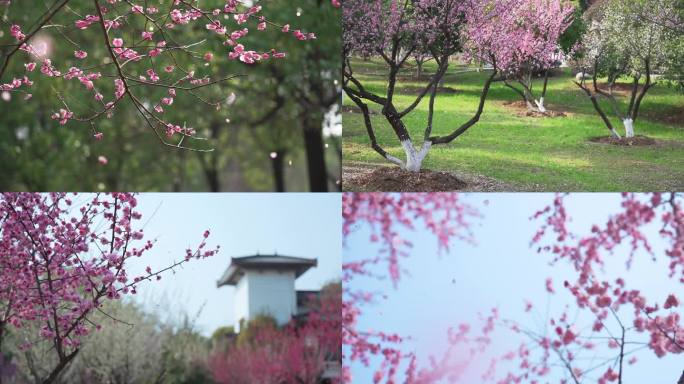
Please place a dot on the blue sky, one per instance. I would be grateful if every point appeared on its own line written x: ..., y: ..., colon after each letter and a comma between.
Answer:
x: 305, y: 225
x: 446, y: 289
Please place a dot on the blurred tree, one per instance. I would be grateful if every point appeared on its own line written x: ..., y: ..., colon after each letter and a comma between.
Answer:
x: 183, y: 354
x: 309, y: 82
x: 132, y: 347
x: 249, y: 331
x: 221, y: 334
x: 618, y: 44
x: 573, y: 34
x: 128, y: 348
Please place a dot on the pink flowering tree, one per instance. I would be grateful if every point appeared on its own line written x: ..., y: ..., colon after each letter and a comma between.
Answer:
x: 301, y: 352
x: 517, y: 38
x: 624, y: 322
x: 145, y: 59
x: 62, y: 257
x: 635, y: 39
x: 520, y: 38
x: 387, y: 217
x: 395, y: 31
x: 611, y: 323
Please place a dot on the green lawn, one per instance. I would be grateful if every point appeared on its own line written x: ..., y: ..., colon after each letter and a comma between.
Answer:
x: 549, y: 154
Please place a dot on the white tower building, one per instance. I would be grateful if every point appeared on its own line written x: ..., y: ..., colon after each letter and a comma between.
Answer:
x: 265, y: 284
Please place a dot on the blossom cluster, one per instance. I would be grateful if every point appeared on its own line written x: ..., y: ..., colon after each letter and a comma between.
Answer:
x: 147, y: 62
x: 62, y: 256
x: 517, y: 35
x: 621, y: 312
x: 445, y: 216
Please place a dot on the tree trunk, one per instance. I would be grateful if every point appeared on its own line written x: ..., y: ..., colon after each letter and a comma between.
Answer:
x: 179, y: 177
x: 597, y: 107
x: 533, y: 104
x: 414, y: 158
x: 212, y: 178
x: 214, y: 183
x: 315, y: 157
x: 278, y: 165
x: 209, y: 161
x: 629, y: 127
x: 540, y: 103
x: 63, y: 363
x: 527, y: 97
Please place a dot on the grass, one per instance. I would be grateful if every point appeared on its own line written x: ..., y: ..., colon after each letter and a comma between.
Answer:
x: 542, y: 154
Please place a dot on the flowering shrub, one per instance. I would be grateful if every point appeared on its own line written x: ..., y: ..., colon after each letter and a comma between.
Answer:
x: 296, y: 353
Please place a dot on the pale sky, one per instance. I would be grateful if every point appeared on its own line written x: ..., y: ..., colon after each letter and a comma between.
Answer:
x: 303, y: 225
x: 501, y: 271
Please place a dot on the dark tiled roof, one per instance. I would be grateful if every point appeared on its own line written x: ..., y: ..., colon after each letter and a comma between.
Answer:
x: 239, y: 264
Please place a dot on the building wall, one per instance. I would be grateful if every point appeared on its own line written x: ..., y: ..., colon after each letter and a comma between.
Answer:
x: 241, y: 302
x: 266, y: 292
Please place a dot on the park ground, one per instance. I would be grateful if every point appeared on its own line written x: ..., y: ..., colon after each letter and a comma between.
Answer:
x: 511, y: 151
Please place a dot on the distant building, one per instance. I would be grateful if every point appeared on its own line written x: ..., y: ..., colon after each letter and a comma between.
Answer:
x: 265, y: 285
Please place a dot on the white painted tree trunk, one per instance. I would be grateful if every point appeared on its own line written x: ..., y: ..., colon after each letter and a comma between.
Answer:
x: 540, y: 105
x: 615, y: 134
x: 629, y: 127
x: 414, y: 158
x: 395, y: 160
